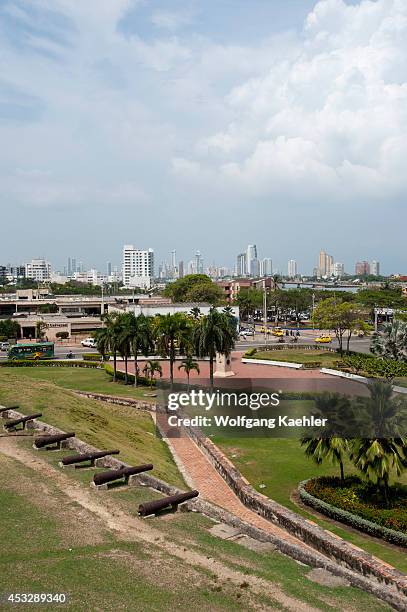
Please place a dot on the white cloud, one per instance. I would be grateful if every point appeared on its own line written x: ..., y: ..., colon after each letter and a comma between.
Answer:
x: 330, y: 121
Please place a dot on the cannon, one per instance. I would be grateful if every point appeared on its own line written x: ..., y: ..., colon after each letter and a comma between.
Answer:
x: 171, y: 501
x: 125, y: 472
x: 73, y: 459
x: 6, y: 408
x: 43, y: 441
x: 12, y: 425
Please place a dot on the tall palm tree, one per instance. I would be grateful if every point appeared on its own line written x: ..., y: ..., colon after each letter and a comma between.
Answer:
x: 141, y: 337
x: 188, y: 365
x: 107, y: 338
x: 214, y: 334
x: 124, y: 342
x: 173, y: 331
x: 334, y: 449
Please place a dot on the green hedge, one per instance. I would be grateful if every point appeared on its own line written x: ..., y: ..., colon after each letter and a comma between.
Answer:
x: 387, y: 524
x: 374, y: 367
x: 55, y: 363
x: 312, y: 365
x: 121, y: 376
x: 95, y: 357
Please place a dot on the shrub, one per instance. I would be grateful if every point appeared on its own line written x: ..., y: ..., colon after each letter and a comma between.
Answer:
x: 95, y: 357
x: 121, y: 376
x: 49, y: 363
x: 251, y: 352
x: 350, y: 502
x: 62, y: 335
x: 312, y: 365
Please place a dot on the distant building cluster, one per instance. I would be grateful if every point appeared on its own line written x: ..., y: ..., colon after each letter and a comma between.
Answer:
x: 328, y: 267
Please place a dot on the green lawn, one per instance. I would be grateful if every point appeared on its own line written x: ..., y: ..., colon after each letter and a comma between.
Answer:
x: 281, y: 465
x: 299, y: 356
x: 100, y: 424
x: 83, y: 379
x: 92, y: 564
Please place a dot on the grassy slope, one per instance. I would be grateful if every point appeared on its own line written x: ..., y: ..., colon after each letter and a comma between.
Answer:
x: 100, y: 424
x: 83, y: 379
x: 281, y: 465
x: 58, y: 557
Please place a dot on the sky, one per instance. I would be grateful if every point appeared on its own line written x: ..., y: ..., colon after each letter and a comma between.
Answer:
x: 210, y: 125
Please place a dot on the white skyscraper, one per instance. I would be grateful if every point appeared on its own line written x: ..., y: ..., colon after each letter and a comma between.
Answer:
x: 138, y: 267
x: 251, y: 255
x: 38, y: 270
x: 338, y: 269
x: 375, y: 268
x: 241, y: 266
x: 266, y: 267
x: 292, y: 268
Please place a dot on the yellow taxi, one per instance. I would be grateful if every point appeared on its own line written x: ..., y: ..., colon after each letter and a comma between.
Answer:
x: 277, y: 331
x: 323, y: 339
x: 263, y: 330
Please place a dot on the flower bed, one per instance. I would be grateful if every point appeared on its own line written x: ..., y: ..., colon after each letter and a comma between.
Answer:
x: 354, y: 503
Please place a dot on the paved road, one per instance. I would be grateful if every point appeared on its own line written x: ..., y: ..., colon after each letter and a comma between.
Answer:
x: 61, y: 351
x: 361, y: 345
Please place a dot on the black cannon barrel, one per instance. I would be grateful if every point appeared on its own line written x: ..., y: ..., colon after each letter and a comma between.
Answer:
x: 160, y: 504
x: 88, y: 457
x: 111, y: 475
x: 15, y: 422
x: 42, y: 441
x: 5, y: 408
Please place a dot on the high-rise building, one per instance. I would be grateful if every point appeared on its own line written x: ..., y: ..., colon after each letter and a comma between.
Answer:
x: 191, y: 267
x: 241, y: 265
x: 292, y: 268
x: 109, y: 268
x: 255, y: 267
x: 138, y: 267
x: 375, y: 268
x: 180, y: 269
x: 362, y: 268
x: 38, y: 270
x: 199, y: 267
x: 266, y: 267
x: 325, y: 264
x: 251, y: 255
x: 339, y: 269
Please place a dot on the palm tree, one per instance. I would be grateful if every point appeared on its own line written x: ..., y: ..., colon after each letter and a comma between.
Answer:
x: 124, y: 342
x: 151, y: 368
x: 377, y: 458
x: 173, y: 332
x: 333, y: 449
x: 195, y: 312
x: 214, y: 334
x: 107, y: 338
x: 141, y: 337
x: 188, y: 364
x: 383, y: 414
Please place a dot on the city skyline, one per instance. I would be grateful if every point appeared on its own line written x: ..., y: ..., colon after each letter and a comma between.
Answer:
x: 133, y: 114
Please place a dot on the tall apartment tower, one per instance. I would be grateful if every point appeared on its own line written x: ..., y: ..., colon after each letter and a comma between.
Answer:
x: 38, y: 270
x: 362, y: 268
x: 375, y: 268
x: 325, y: 264
x: 292, y: 268
x: 241, y: 265
x: 266, y: 267
x: 199, y: 267
x: 138, y: 267
x: 251, y: 256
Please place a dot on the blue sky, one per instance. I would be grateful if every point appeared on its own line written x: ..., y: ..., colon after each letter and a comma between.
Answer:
x: 203, y: 125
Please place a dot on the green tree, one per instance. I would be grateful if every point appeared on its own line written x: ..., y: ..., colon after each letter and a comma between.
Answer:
x: 182, y: 289
x: 40, y: 328
x: 151, y: 368
x: 334, y: 450
x: 10, y: 329
x: 195, y: 312
x: 108, y: 338
x: 248, y: 300
x: 213, y: 334
x: 378, y: 458
x: 338, y: 316
x: 188, y: 365
x: 392, y: 342
x: 141, y: 337
x: 173, y: 331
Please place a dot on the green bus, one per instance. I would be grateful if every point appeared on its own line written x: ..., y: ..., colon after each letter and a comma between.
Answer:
x: 32, y: 350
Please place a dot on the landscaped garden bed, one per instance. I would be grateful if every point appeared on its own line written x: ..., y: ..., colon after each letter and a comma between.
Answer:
x: 358, y: 504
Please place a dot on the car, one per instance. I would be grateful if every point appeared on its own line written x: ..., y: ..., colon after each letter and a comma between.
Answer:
x: 247, y: 332
x: 264, y: 330
x: 89, y: 342
x: 323, y: 339
x: 277, y: 331
x: 4, y: 346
